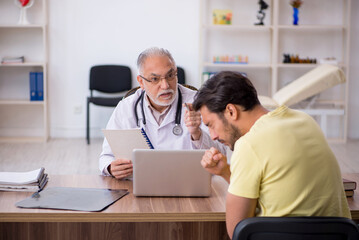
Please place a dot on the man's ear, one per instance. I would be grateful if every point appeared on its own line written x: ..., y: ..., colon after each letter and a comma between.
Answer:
x: 231, y: 112
x: 140, y: 81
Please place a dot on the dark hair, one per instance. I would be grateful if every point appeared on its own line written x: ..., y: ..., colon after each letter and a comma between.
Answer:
x: 223, y: 88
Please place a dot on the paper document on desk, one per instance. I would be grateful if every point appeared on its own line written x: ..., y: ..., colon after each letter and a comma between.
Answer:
x: 31, y: 187
x: 20, y: 178
x: 123, y: 141
x: 31, y: 181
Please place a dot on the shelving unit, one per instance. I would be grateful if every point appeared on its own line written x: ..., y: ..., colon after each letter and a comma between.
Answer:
x: 20, y: 118
x: 323, y: 31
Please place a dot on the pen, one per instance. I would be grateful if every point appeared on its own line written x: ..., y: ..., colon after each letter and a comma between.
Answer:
x: 187, y: 106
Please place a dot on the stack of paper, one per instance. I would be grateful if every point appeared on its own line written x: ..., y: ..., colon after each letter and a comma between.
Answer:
x: 6, y: 60
x: 31, y: 181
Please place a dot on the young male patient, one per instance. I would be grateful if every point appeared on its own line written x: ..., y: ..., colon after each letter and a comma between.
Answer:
x: 282, y: 164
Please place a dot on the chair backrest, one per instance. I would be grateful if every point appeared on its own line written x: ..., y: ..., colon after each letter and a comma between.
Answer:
x: 130, y: 92
x: 180, y: 75
x: 315, y: 81
x: 295, y: 228
x: 110, y: 78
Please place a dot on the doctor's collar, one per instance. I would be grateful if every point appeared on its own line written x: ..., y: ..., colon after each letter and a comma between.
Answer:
x: 152, y: 109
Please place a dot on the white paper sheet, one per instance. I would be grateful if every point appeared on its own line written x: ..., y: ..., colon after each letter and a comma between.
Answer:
x: 21, y: 177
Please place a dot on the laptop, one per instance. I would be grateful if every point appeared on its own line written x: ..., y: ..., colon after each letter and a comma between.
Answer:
x: 175, y: 173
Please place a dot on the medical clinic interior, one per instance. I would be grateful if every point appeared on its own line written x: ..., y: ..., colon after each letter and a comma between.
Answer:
x: 75, y: 93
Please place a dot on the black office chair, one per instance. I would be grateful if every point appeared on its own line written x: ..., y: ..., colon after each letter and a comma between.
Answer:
x: 181, y: 76
x: 296, y: 228
x: 107, y: 79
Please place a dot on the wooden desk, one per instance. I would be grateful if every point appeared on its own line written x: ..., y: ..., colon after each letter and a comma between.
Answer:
x: 129, y: 218
x: 354, y: 201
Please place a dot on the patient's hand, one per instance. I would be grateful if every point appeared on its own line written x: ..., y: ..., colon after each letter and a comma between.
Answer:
x: 121, y: 168
x: 216, y: 163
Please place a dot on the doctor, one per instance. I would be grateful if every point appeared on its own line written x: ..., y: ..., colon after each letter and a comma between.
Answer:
x: 157, y: 107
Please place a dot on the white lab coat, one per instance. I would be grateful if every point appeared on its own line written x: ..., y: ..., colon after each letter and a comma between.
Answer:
x: 161, y: 136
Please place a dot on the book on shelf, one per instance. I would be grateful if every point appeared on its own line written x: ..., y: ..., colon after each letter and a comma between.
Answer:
x: 349, y: 184
x: 349, y: 193
x: 208, y: 75
x: 222, y: 16
x: 31, y: 181
x: 36, y: 86
x: 33, y: 94
x: 9, y: 60
x: 40, y: 86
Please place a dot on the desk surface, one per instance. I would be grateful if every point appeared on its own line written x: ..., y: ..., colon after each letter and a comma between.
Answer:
x: 127, y: 209
x: 131, y: 208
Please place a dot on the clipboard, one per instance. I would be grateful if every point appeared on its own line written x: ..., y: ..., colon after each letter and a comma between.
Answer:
x: 123, y: 141
x: 76, y: 199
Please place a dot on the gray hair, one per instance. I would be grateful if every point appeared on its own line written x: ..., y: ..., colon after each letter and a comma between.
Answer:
x: 150, y: 52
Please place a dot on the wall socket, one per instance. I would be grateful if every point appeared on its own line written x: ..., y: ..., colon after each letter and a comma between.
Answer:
x: 78, y: 109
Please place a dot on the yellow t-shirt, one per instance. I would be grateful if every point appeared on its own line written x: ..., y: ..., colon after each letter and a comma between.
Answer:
x: 284, y: 161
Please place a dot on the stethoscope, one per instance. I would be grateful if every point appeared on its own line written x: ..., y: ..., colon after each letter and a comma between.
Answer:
x: 177, y: 129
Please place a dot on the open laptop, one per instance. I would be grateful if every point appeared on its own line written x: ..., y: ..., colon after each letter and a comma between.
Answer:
x: 170, y: 173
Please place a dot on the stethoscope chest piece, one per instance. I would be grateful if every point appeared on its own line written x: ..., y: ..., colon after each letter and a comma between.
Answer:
x: 177, y: 130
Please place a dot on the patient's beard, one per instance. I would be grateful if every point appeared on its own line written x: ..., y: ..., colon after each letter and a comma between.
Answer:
x: 232, y: 133
x: 235, y: 134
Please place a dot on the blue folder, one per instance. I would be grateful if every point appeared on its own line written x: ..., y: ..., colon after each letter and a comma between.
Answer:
x: 40, y: 86
x: 33, y: 92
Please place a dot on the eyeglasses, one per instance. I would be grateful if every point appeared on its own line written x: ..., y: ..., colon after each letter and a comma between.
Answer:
x: 156, y: 79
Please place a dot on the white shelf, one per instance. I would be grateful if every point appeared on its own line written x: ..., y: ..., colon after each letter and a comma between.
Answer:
x: 20, y: 102
x: 318, y: 112
x: 311, y: 27
x: 297, y: 65
x: 25, y: 64
x: 321, y: 33
x: 235, y: 65
x: 20, y: 118
x: 12, y: 26
x: 237, y: 27
x: 336, y: 103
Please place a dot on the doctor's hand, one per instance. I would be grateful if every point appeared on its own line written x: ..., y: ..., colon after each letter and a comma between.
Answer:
x: 193, y: 120
x: 216, y: 163
x: 121, y: 168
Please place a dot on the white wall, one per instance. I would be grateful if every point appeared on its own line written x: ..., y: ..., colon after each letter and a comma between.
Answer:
x: 84, y: 33
x: 353, y: 121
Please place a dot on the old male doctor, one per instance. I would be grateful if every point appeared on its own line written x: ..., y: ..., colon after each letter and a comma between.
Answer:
x: 158, y: 107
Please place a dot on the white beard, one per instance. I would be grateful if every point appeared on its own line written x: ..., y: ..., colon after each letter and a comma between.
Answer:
x: 161, y: 103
